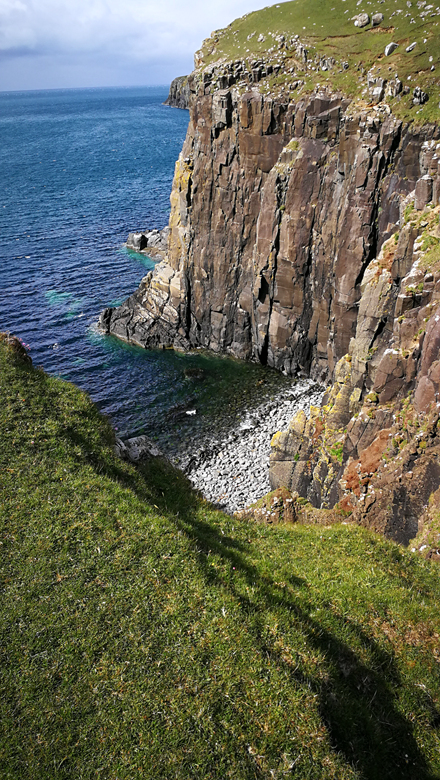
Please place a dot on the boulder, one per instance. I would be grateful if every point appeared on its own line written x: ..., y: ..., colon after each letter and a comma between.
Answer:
x: 150, y: 239
x: 137, y: 449
x: 375, y: 86
x: 378, y: 92
x: 390, y: 48
x: 394, y: 87
x: 137, y: 241
x: 376, y: 20
x: 361, y: 20
x: 419, y: 97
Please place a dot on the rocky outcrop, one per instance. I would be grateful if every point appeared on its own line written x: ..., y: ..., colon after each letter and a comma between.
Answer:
x: 179, y: 94
x: 137, y: 449
x: 292, y: 243
x: 361, y: 20
x: 374, y: 445
x: 154, y: 242
x: 277, y: 210
x: 17, y: 348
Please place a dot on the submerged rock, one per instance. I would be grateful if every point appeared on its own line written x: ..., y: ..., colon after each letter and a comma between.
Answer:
x: 194, y: 373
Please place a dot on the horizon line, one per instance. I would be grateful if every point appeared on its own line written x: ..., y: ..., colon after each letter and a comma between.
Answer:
x: 72, y: 89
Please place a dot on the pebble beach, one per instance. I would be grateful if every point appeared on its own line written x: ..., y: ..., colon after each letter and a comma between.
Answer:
x: 232, y: 470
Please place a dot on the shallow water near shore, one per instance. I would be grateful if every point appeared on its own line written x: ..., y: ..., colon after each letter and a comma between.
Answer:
x: 83, y: 168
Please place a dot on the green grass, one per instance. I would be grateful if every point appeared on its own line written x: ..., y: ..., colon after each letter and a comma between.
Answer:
x: 327, y: 29
x: 426, y: 223
x: 145, y: 635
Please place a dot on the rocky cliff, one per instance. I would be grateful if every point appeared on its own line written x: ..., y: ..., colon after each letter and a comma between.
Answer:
x: 304, y: 234
x: 179, y: 93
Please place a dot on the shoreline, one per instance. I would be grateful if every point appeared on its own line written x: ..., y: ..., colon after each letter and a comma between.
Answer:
x: 232, y: 470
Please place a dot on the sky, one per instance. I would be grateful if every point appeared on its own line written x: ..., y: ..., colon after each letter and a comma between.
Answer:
x: 51, y: 44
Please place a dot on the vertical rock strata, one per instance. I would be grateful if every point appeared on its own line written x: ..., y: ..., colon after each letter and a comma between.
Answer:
x: 277, y: 209
x: 374, y: 445
x: 289, y: 244
x: 179, y: 94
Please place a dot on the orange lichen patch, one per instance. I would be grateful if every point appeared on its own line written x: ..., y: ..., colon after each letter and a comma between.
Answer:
x: 346, y: 504
x: 356, y: 473
x: 319, y: 427
x: 351, y: 477
x: 387, y: 254
x: 371, y: 457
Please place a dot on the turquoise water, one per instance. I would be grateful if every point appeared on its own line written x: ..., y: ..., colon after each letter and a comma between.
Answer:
x: 80, y: 169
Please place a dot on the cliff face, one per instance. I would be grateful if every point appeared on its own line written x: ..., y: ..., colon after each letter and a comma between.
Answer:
x: 291, y: 243
x: 179, y: 94
x: 373, y: 447
x: 277, y: 210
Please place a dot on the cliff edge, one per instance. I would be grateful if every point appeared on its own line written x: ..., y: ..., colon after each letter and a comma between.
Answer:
x: 179, y: 94
x: 304, y: 233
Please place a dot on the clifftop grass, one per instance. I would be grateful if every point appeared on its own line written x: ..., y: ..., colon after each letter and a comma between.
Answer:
x: 145, y: 635
x: 327, y: 29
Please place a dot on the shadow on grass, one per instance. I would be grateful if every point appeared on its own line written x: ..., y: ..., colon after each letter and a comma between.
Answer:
x: 357, y: 700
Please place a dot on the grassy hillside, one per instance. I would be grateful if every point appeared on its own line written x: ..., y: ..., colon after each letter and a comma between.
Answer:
x: 145, y: 635
x: 326, y: 28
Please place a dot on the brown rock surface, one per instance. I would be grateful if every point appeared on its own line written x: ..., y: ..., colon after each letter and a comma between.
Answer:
x: 374, y: 446
x: 179, y: 94
x: 299, y: 233
x: 273, y: 224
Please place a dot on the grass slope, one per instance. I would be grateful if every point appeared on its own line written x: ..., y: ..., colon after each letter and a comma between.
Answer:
x: 326, y: 27
x: 145, y: 635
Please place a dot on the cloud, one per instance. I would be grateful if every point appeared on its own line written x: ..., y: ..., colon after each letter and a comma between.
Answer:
x: 134, y: 35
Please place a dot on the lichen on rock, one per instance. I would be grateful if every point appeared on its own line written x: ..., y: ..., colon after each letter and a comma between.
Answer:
x: 389, y: 438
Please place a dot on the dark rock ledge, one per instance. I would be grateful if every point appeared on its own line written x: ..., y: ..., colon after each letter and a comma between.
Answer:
x: 179, y: 93
x: 153, y: 242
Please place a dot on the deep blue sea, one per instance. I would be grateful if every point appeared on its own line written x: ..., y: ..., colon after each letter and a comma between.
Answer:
x: 80, y: 169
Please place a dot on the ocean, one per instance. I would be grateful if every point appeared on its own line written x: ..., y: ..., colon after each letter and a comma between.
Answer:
x: 80, y: 169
